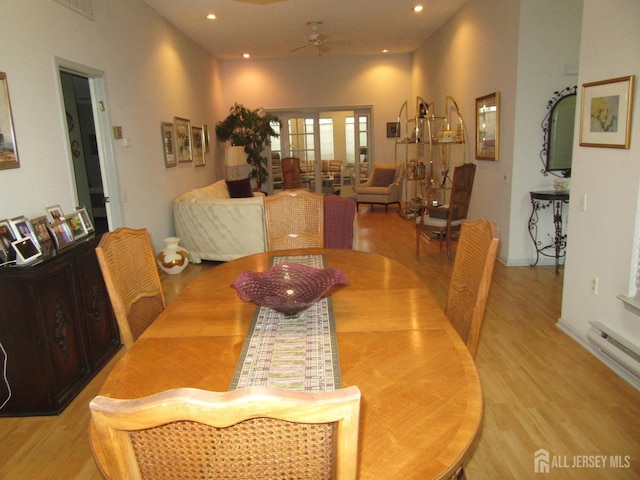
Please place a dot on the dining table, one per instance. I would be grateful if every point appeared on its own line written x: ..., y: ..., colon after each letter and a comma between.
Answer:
x: 421, y: 406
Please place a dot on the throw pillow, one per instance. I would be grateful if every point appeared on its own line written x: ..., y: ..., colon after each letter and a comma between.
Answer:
x: 240, y: 188
x: 383, y: 177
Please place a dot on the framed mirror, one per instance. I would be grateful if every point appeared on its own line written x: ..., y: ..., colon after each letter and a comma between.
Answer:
x: 558, y: 128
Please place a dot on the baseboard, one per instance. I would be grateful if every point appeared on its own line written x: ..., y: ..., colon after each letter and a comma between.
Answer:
x: 581, y: 339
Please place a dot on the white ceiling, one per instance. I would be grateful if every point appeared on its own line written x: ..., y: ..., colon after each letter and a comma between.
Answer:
x: 263, y: 27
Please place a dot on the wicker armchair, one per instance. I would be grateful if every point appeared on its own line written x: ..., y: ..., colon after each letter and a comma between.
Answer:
x: 251, y: 433
x: 471, y: 279
x: 447, y: 219
x: 130, y: 273
x: 294, y: 219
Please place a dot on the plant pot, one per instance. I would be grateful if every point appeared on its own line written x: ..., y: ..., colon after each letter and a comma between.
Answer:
x: 173, y: 258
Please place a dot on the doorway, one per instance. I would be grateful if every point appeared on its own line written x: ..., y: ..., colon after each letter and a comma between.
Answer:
x: 83, y: 145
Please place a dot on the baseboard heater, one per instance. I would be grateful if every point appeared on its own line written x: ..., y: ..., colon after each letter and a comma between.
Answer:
x: 616, y: 348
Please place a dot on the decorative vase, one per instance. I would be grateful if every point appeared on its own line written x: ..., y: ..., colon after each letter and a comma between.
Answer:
x: 172, y: 258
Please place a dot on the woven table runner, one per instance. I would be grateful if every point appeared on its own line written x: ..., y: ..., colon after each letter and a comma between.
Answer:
x: 293, y: 353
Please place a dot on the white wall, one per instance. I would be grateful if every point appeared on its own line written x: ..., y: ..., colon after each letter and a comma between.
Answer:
x: 151, y: 72
x: 382, y: 82
x: 516, y: 48
x: 602, y: 236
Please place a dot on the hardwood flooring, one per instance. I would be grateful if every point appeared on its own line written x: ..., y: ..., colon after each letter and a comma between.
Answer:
x: 541, y: 389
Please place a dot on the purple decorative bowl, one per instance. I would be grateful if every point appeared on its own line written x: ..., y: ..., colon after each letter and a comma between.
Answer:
x: 289, y: 288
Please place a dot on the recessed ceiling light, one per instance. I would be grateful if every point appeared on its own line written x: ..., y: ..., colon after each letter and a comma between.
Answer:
x: 246, y: 55
x: 418, y: 8
x: 212, y: 16
x: 385, y: 50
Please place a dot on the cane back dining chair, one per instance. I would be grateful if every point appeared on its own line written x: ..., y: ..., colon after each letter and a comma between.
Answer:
x: 294, y: 219
x: 130, y: 273
x: 292, y: 174
x: 250, y: 433
x: 471, y: 279
x: 446, y: 220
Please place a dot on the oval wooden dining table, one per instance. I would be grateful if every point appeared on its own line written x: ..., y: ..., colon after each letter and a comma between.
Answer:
x: 421, y: 395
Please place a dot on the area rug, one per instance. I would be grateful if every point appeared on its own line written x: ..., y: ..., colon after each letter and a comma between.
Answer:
x: 293, y: 353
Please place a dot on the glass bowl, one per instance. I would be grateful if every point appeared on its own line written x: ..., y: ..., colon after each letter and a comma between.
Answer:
x: 289, y: 288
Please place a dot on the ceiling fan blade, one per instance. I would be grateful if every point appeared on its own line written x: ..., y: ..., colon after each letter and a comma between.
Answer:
x: 321, y: 37
x: 323, y: 48
x: 299, y: 48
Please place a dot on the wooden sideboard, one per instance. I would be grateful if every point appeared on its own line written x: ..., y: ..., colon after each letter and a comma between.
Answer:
x: 57, y: 330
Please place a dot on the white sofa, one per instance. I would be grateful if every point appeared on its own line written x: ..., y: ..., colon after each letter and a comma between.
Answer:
x: 213, y: 226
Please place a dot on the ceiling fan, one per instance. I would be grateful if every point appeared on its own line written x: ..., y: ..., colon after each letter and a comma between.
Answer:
x: 319, y: 40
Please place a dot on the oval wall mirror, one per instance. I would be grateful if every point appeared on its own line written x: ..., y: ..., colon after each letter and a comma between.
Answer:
x: 557, y: 128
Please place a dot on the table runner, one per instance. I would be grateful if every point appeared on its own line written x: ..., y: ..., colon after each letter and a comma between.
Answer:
x: 293, y: 353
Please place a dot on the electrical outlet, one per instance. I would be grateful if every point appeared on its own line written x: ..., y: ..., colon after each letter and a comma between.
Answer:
x: 505, y: 176
x: 594, y: 285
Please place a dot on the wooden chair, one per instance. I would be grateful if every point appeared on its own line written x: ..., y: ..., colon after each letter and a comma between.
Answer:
x: 292, y: 174
x: 294, y: 219
x: 446, y: 220
x: 471, y: 279
x: 130, y: 273
x: 250, y: 433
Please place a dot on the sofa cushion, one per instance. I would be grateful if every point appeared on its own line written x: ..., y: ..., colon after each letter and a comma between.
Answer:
x: 383, y: 177
x: 240, y: 188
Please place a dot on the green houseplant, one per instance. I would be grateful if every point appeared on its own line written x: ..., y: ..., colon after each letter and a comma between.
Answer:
x: 251, y: 129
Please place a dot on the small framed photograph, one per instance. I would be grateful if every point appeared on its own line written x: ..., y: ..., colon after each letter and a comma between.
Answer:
x: 183, y: 139
x: 26, y: 251
x: 77, y: 225
x: 6, y: 235
x: 605, y: 117
x: 168, y: 145
x: 39, y: 225
x: 54, y: 212
x: 61, y: 234
x: 393, y: 130
x: 488, y: 127
x: 8, y: 149
x: 22, y: 228
x: 198, y: 146
x: 86, y: 219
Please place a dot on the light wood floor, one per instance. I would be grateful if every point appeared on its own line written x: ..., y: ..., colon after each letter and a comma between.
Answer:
x: 541, y: 389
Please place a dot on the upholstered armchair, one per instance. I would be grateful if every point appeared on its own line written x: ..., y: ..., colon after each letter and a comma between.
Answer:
x: 383, y: 187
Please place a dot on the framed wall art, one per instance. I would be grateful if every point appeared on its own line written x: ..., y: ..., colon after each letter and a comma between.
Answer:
x: 8, y: 149
x: 168, y: 145
x: 605, y: 117
x: 198, y: 146
x: 183, y: 139
x: 393, y: 129
x: 488, y: 127
x: 206, y: 138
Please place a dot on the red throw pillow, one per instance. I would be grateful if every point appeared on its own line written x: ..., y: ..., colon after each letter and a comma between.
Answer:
x: 239, y: 188
x: 383, y: 177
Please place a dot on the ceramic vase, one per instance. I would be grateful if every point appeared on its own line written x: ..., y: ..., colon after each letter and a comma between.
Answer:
x: 173, y: 258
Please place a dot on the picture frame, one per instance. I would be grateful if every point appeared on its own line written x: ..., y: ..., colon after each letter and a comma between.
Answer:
x: 393, y: 129
x: 8, y: 148
x: 86, y: 219
x: 22, y: 228
x: 77, y: 225
x: 198, y: 146
x: 206, y: 137
x: 488, y: 127
x: 605, y: 113
x: 39, y: 225
x: 26, y: 251
x: 61, y: 234
x: 54, y: 213
x: 183, y: 142
x: 6, y: 236
x: 168, y: 144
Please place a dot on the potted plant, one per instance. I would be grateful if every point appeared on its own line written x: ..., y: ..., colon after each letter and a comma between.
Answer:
x: 252, y: 130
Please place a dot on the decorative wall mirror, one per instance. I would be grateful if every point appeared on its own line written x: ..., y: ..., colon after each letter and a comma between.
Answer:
x: 557, y: 126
